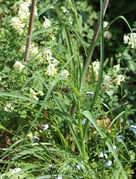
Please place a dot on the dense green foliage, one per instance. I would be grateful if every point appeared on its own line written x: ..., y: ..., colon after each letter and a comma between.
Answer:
x: 54, y: 123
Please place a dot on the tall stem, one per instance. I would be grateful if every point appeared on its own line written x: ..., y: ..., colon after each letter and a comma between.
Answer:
x: 30, y: 29
x: 101, y: 66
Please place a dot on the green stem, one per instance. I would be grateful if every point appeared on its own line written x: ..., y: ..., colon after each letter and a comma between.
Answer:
x: 84, y: 154
x: 101, y: 66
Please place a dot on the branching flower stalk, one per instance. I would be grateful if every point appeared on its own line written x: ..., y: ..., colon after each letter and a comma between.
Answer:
x: 30, y: 29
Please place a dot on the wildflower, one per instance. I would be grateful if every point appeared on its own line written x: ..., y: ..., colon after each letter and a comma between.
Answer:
x: 70, y: 21
x: 8, y: 107
x: 116, y: 68
x: 23, y: 12
x: 15, y: 170
x: 105, y: 23
x: 40, y: 93
x: 0, y: 79
x: 33, y: 50
x: 103, y: 155
x: 34, y: 138
x: 45, y: 126
x: 126, y: 39
x: 33, y: 94
x: 78, y: 167
x: 18, y: 25
x: 114, y: 147
x: 55, y: 61
x: 83, y: 121
x: 132, y: 40
x: 64, y: 9
x: 106, y: 80
x: 51, y: 70
x: 28, y: 2
x: 120, y: 78
x: 47, y: 23
x: 107, y: 35
x: 59, y: 177
x: 18, y: 66
x: 108, y: 164
x: 90, y: 94
x: 133, y: 128
x: 48, y: 55
x: 96, y: 66
x: 65, y: 73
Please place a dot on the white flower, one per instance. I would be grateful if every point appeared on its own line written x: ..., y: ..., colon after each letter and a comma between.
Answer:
x: 90, y: 93
x: 34, y: 138
x: 8, y: 107
x: 65, y: 73
x: 64, y: 9
x: 107, y: 80
x: 51, y: 70
x: 45, y: 126
x: 114, y: 147
x: 107, y: 35
x: 15, y: 170
x: 105, y: 23
x: 28, y: 2
x: 40, y: 93
x: 126, y: 39
x: 132, y: 40
x: 48, y: 55
x: 96, y: 66
x: 116, y: 68
x: 102, y: 155
x: 119, y: 79
x: 23, y: 12
x: 108, y: 164
x: 133, y: 128
x: 33, y: 50
x: 78, y: 167
x: 47, y: 23
x: 33, y: 94
x: 55, y: 61
x: 0, y: 79
x: 17, y: 24
x: 18, y: 66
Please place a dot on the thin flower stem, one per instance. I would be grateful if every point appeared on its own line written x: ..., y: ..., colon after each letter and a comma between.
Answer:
x: 30, y: 29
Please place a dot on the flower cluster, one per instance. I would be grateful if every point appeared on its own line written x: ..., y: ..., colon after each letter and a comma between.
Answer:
x: 46, y: 23
x: 96, y: 66
x: 65, y: 73
x: 18, y: 66
x: 130, y: 40
x: 34, y: 94
x: 8, y: 107
x: 107, y: 34
x: 18, y: 23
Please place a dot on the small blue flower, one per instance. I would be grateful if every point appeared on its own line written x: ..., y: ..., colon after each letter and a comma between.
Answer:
x: 83, y: 121
x: 119, y: 138
x: 59, y: 177
x: 34, y: 138
x: 108, y: 164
